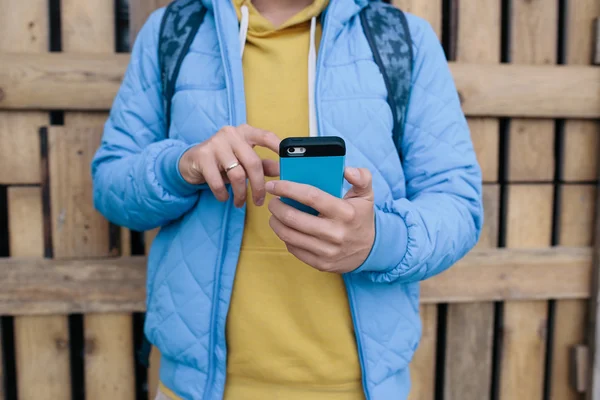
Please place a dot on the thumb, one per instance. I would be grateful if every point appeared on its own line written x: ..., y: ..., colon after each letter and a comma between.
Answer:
x: 361, y: 181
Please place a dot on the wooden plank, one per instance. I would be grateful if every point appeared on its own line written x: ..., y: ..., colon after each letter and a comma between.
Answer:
x: 529, y: 224
x: 569, y: 331
x: 534, y: 35
x: 470, y: 326
x: 430, y: 10
x: 139, y: 11
x: 597, y: 40
x: 1, y: 365
x: 523, y: 344
x: 109, y: 372
x: 40, y: 340
x: 580, y: 158
x: 422, y: 367
x: 529, y: 219
x: 23, y: 28
x: 577, y: 211
x: 491, y: 210
x: 80, y: 231
x: 153, y: 373
x: 593, y: 328
x: 577, y: 208
x: 90, y: 82
x: 77, y: 228
x: 480, y: 43
x: 39, y: 286
x: 579, y: 363
x: 581, y: 137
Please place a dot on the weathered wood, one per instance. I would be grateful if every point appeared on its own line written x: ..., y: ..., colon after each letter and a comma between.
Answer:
x: 77, y: 228
x: 576, y: 229
x: 533, y: 41
x: 153, y: 373
x: 579, y: 363
x: 523, y: 350
x: 23, y: 28
x: 422, y: 367
x: 40, y: 340
x: 529, y: 219
x: 430, y: 10
x: 470, y: 326
x: 581, y: 137
x: 1, y: 366
x: 529, y: 224
x: 87, y: 26
x: 569, y: 331
x: 577, y: 211
x: 593, y: 328
x: 576, y: 224
x: 491, y: 209
x: 480, y: 43
x: 139, y: 11
x: 39, y: 286
x: 80, y: 231
x: 90, y: 82
x: 597, y: 40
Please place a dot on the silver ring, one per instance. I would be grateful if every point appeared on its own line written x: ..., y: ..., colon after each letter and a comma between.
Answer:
x: 232, y: 166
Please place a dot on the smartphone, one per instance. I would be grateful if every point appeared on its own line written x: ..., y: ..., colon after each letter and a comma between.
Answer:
x: 316, y: 161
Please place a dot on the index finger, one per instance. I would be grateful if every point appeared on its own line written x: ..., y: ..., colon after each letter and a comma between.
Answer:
x: 259, y: 137
x: 311, y: 196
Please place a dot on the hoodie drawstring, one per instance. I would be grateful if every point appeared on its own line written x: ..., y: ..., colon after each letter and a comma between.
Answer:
x: 312, y: 64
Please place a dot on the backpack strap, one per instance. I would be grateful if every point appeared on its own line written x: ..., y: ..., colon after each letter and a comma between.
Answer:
x: 179, y: 26
x: 386, y: 30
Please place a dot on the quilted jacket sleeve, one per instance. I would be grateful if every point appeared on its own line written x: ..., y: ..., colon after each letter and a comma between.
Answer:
x: 441, y: 218
x: 137, y: 183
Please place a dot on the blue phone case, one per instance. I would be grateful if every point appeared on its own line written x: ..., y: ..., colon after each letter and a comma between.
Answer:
x: 322, y: 165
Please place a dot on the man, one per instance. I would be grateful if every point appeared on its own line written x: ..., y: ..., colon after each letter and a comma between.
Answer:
x: 249, y: 298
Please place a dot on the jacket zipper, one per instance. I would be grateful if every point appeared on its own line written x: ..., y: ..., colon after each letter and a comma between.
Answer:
x: 354, y: 313
x: 347, y: 279
x: 214, y: 311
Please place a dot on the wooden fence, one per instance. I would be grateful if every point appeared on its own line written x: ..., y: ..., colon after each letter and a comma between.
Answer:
x: 507, y: 322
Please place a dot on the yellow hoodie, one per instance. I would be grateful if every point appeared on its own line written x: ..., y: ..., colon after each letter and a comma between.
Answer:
x: 289, y: 330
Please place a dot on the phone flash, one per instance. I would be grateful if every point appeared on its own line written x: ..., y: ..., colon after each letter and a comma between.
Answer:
x: 296, y: 151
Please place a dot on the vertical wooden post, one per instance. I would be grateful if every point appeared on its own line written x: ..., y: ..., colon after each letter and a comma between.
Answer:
x: 23, y: 28
x: 593, y: 334
x: 88, y: 26
x: 577, y: 209
x: 423, y: 365
x: 470, y: 327
x: 1, y: 365
x: 39, y: 341
x: 530, y: 206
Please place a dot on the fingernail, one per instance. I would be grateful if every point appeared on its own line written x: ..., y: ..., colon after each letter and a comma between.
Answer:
x: 354, y: 172
x: 270, y: 186
x: 260, y: 201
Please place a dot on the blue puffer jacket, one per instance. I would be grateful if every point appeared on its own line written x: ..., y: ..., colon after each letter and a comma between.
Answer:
x: 428, y: 210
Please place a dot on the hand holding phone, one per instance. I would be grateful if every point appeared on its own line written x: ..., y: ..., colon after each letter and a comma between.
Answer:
x: 335, y: 235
